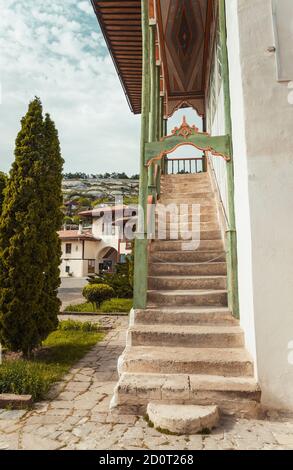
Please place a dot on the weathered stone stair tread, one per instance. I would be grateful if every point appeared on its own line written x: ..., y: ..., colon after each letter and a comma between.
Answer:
x: 183, y: 276
x: 185, y: 316
x: 192, y: 329
x: 173, y: 360
x: 194, y: 336
x: 132, y: 382
x: 183, y: 419
x: 187, y: 293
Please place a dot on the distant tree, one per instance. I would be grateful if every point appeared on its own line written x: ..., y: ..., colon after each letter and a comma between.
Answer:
x: 3, y: 183
x: 134, y: 177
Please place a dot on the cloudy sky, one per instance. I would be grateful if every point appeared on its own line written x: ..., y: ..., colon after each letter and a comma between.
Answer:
x: 56, y: 51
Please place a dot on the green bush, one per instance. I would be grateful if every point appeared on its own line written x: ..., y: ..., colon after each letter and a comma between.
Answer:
x: 121, y: 281
x: 116, y: 305
x: 97, y: 293
x: 72, y: 325
x: 85, y: 307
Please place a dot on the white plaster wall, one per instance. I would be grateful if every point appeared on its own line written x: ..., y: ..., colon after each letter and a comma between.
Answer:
x: 218, y: 163
x: 263, y: 156
x: 241, y: 200
x: 76, y: 268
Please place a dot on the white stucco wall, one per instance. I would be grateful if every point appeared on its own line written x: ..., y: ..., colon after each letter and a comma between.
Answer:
x: 263, y: 158
x: 242, y: 209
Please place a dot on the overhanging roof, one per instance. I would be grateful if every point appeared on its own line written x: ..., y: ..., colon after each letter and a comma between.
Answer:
x: 184, y: 35
x: 120, y: 22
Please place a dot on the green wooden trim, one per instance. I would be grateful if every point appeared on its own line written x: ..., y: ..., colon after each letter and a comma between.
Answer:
x: 157, y: 102
x: 231, y: 237
x: 153, y: 102
x: 165, y: 127
x: 141, y: 244
x: 219, y: 144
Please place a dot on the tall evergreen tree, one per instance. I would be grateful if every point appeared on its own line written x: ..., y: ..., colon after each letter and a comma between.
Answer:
x: 29, y: 245
x: 3, y: 182
x: 22, y: 251
x: 52, y: 200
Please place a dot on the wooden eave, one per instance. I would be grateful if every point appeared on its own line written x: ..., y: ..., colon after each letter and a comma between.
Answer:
x: 120, y: 22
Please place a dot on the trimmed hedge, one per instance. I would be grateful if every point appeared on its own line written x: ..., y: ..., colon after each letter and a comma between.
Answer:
x: 97, y: 293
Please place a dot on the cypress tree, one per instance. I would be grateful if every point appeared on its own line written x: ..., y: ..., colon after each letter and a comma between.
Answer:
x: 22, y: 246
x: 52, y: 220
x: 3, y: 182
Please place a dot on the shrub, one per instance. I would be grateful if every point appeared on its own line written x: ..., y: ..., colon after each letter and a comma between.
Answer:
x: 120, y: 281
x: 116, y: 305
x: 85, y: 307
x: 72, y: 325
x: 97, y: 293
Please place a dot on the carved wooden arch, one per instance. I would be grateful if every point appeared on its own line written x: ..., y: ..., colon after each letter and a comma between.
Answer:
x: 185, y: 103
x: 219, y: 146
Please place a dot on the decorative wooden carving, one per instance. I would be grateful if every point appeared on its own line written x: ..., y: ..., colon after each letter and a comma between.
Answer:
x: 185, y: 131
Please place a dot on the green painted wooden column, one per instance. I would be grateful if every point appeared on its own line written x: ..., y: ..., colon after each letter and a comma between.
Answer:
x: 161, y: 116
x: 153, y: 103
x: 141, y: 242
x: 158, y: 98
x: 165, y: 127
x: 231, y: 236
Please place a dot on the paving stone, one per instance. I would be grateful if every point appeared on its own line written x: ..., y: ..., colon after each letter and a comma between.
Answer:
x: 284, y: 439
x: 12, y: 414
x: 32, y: 442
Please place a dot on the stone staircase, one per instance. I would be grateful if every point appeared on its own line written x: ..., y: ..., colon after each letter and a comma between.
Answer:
x: 186, y: 348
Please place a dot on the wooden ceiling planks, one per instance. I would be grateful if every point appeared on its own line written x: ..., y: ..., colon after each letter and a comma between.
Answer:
x: 120, y: 22
x: 185, y: 35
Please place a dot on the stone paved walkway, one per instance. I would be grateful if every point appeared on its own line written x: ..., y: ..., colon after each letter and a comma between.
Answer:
x: 76, y: 415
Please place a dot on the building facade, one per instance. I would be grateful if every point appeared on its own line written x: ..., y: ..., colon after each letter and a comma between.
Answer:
x: 232, y: 63
x: 97, y: 246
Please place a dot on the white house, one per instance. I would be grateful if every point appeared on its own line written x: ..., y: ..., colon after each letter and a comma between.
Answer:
x: 97, y: 245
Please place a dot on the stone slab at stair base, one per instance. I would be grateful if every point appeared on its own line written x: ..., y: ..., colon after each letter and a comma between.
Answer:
x: 16, y: 402
x: 183, y: 419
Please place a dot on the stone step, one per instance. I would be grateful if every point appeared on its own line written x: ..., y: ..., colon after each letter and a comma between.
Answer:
x: 189, y: 177
x: 186, y: 230
x: 184, y: 316
x: 194, y: 193
x: 237, y: 395
x: 183, y: 212
x: 183, y: 223
x: 186, y: 186
x: 177, y: 245
x: 186, y: 220
x: 175, y: 188
x: 183, y: 419
x: 200, y: 298
x: 187, y: 282
x: 228, y: 362
x: 188, y: 269
x: 168, y: 198
x: 201, y: 235
x: 186, y: 256
x: 191, y: 336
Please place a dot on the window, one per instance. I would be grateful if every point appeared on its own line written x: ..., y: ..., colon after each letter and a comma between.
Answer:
x: 68, y: 248
x: 67, y: 269
x: 91, y: 266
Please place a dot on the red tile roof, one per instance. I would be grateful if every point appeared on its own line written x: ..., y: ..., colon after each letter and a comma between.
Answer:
x: 76, y: 235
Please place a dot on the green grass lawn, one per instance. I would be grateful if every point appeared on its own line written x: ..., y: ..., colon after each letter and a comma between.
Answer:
x: 108, y: 306
x: 60, y: 351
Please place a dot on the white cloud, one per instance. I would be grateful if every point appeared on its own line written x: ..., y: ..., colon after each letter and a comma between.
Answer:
x: 85, y: 6
x: 53, y: 50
